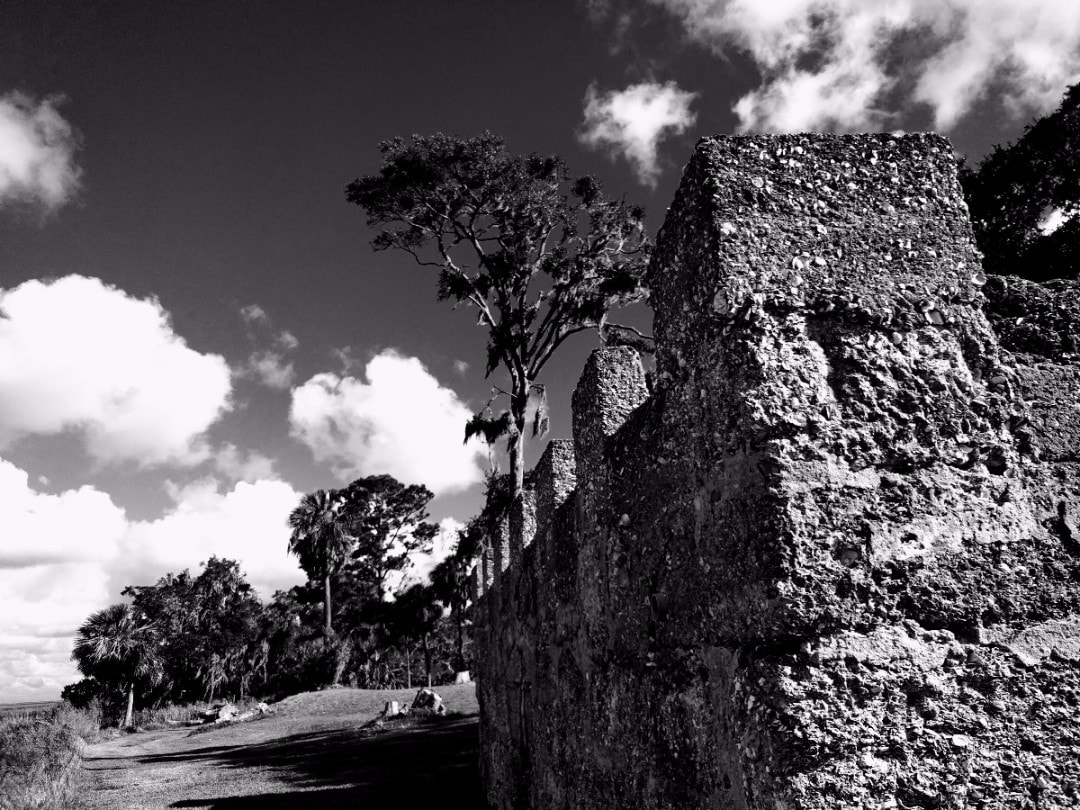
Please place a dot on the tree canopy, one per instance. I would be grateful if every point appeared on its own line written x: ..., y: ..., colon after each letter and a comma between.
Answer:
x: 208, y: 625
x: 322, y: 536
x: 539, y: 255
x: 389, y: 524
x: 1024, y: 198
x: 118, y: 646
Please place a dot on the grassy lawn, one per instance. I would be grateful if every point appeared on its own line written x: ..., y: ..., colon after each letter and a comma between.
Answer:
x: 319, y: 749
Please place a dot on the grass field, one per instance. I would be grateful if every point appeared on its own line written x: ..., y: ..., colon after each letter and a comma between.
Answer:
x: 10, y: 709
x: 319, y: 749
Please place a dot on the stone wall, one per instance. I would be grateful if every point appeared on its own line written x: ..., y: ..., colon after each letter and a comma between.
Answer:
x: 832, y: 560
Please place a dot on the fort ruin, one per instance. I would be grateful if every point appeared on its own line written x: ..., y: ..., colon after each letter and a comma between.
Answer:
x: 832, y: 559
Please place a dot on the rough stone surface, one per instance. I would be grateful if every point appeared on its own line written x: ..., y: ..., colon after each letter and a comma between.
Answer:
x: 427, y: 700
x: 834, y: 559
x: 1040, y: 325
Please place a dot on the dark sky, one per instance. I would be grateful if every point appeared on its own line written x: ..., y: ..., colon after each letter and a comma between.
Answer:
x: 216, y: 139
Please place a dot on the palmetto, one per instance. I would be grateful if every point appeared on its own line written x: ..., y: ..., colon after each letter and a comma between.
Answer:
x: 322, y: 536
x: 117, y: 645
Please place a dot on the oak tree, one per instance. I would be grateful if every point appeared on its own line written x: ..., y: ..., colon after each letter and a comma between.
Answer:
x: 538, y: 255
x: 389, y: 524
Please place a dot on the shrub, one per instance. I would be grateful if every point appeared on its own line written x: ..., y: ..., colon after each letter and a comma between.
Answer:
x: 83, y: 694
x: 164, y: 716
x: 40, y: 757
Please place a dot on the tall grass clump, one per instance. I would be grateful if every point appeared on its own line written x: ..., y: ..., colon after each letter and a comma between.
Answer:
x: 40, y: 757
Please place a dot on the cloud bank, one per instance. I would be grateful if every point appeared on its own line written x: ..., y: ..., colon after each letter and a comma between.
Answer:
x: 37, y: 153
x: 66, y: 555
x: 77, y: 354
x: 847, y: 65
x: 397, y: 419
x: 631, y: 123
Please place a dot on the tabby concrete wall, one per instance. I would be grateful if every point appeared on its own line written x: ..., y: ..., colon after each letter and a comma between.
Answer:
x: 832, y: 560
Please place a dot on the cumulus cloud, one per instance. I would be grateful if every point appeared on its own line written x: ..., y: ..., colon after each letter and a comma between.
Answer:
x: 286, y: 340
x: 66, y: 555
x: 77, y: 354
x: 633, y: 122
x: 37, y: 153
x: 849, y: 65
x: 237, y: 465
x: 254, y: 314
x: 53, y: 560
x: 77, y: 526
x: 399, y: 420
x: 40, y: 608
x: 270, y: 367
x: 246, y: 523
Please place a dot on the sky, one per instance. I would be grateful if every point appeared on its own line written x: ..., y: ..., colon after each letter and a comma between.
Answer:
x: 194, y: 329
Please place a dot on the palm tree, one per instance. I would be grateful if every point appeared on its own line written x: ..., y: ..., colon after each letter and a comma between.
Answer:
x: 117, y: 645
x: 322, y: 536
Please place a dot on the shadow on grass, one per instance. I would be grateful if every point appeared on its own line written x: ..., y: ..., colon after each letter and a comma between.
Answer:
x: 432, y: 765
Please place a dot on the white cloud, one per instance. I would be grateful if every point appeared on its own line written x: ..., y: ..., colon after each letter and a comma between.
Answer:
x: 76, y: 526
x: 237, y: 465
x: 34, y: 668
x: 269, y: 368
x: 286, y: 340
x: 246, y: 523
x: 64, y: 556
x: 254, y: 314
x: 632, y: 122
x: 399, y: 421
x: 37, y: 153
x: 54, y: 550
x: 834, y: 64
x: 460, y: 366
x: 77, y: 354
x: 40, y: 608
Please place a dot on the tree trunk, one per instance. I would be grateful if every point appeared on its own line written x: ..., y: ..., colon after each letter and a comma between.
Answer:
x: 459, y: 665
x: 408, y: 667
x: 518, y: 404
x: 326, y: 605
x: 131, y: 705
x: 427, y: 659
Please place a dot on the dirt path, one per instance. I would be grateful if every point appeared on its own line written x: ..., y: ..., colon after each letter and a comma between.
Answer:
x: 312, y: 754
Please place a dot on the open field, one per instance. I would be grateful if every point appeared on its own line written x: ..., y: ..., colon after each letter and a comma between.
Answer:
x: 311, y: 753
x: 18, y: 709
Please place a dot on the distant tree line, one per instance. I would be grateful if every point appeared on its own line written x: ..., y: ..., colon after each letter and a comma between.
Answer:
x: 205, y: 637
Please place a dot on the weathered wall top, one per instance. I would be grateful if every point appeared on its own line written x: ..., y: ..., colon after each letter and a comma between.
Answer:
x: 872, y: 226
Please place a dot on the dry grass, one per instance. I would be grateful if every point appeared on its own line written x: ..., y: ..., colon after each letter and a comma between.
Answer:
x: 40, y: 755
